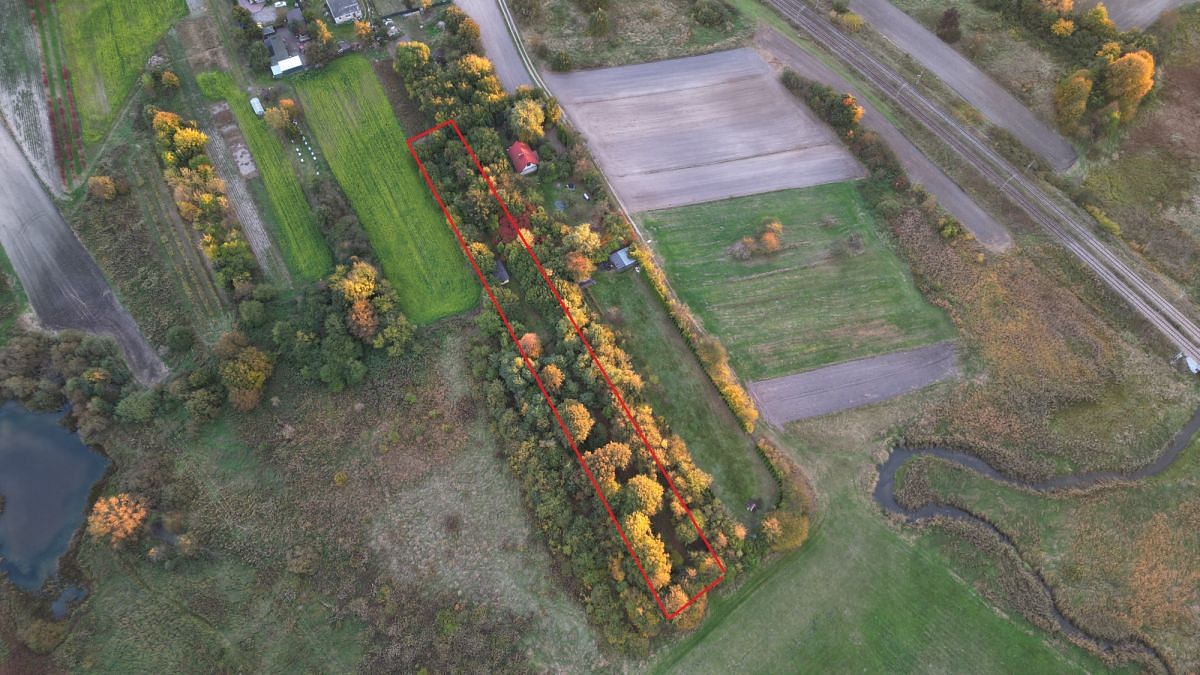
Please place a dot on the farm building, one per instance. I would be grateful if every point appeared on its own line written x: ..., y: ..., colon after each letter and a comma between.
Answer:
x: 524, y: 159
x: 344, y: 11
x: 621, y: 259
x: 286, y: 66
x: 284, y: 49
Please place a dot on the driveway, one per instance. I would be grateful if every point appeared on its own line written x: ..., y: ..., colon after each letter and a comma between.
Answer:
x: 699, y: 129
x: 497, y: 43
x: 988, y: 231
x: 985, y: 94
x: 63, y: 283
x: 852, y: 384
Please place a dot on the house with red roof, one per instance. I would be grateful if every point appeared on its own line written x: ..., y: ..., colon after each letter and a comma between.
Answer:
x: 524, y: 158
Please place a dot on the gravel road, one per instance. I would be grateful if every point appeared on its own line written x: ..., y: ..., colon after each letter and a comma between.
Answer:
x: 64, y: 285
x: 1069, y: 225
x: 699, y: 129
x: 497, y: 43
x: 852, y: 384
x: 1129, y: 14
x: 988, y: 231
x: 989, y: 98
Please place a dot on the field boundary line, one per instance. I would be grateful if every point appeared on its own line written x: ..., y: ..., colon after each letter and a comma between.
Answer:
x: 537, y: 378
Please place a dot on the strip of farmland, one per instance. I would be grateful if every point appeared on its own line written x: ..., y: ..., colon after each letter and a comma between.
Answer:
x: 355, y: 127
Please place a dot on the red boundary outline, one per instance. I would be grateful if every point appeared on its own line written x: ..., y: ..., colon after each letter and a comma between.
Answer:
x: 533, y: 371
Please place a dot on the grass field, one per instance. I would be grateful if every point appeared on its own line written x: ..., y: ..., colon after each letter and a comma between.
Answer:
x: 1120, y: 560
x: 357, y: 132
x: 304, y: 248
x: 107, y: 43
x: 681, y: 392
x: 860, y: 596
x: 814, y: 302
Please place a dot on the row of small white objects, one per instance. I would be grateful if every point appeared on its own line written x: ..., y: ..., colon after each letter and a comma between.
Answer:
x: 312, y: 153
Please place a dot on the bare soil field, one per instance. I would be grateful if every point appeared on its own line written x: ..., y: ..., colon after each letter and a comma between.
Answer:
x: 22, y: 95
x: 202, y: 44
x: 853, y: 384
x: 981, y: 91
x: 63, y: 283
x: 225, y: 121
x: 782, y: 52
x: 699, y: 129
x: 1129, y: 14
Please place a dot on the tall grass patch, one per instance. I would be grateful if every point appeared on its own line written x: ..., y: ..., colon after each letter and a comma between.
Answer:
x: 107, y: 43
x: 355, y: 127
x: 304, y: 248
x: 833, y: 290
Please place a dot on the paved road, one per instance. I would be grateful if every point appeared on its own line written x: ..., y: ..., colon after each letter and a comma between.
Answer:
x: 63, y: 283
x: 699, y: 129
x: 989, y: 98
x: 852, y: 384
x: 497, y: 43
x: 1135, y: 13
x: 987, y: 230
x: 1057, y: 215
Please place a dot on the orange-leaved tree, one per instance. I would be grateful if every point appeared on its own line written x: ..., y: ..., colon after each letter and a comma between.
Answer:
x: 116, y: 518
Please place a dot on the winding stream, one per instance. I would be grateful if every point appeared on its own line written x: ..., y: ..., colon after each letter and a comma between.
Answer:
x: 885, y: 496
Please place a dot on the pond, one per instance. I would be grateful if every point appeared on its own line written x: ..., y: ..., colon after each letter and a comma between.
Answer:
x: 46, y: 477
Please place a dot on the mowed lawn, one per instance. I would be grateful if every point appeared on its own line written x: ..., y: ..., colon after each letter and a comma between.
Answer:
x: 682, y: 393
x: 861, y: 596
x: 806, y: 306
x: 355, y: 127
x: 304, y: 248
x: 107, y: 43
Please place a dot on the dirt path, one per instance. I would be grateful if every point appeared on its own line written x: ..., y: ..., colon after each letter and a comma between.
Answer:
x: 700, y: 129
x: 497, y: 43
x: 63, y: 283
x: 782, y: 52
x: 260, y: 242
x: 985, y: 94
x: 852, y: 384
x: 885, y: 496
x: 1129, y: 14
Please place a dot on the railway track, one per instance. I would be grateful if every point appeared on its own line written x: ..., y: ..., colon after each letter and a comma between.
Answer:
x: 1067, y: 224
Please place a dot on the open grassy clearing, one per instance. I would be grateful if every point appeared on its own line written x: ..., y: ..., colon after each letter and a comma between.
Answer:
x: 681, y: 392
x: 833, y: 292
x: 357, y: 132
x: 297, y: 234
x: 641, y: 32
x: 374, y: 530
x: 107, y: 43
x: 859, y: 594
x: 1122, y: 560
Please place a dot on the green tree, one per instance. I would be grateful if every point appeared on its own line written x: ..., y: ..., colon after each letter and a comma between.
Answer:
x: 947, y: 26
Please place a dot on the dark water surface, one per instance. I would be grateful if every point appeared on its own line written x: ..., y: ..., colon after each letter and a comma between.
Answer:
x: 46, y: 476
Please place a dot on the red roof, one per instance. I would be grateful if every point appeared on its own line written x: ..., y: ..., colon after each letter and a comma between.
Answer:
x: 522, y: 155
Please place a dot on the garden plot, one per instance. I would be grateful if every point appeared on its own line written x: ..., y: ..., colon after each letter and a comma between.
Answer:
x: 22, y: 94
x: 699, y: 129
